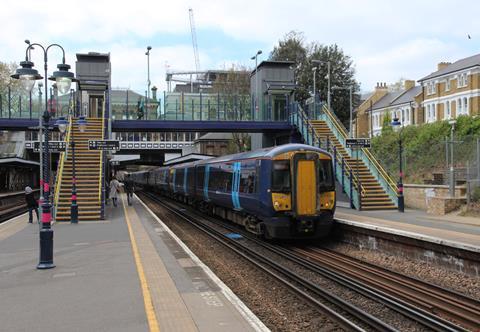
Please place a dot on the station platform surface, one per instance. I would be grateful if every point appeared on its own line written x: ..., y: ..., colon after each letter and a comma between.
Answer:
x: 452, y: 230
x: 126, y: 273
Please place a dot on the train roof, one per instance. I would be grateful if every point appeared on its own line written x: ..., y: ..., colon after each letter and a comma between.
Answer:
x: 262, y: 153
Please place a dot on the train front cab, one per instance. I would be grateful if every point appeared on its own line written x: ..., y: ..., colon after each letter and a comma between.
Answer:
x: 302, y: 195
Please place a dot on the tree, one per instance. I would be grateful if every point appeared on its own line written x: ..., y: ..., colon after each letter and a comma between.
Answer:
x: 293, y: 47
x: 16, y: 91
x: 233, y: 87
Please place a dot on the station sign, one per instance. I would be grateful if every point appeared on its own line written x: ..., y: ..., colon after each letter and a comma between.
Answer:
x: 53, y: 146
x: 108, y: 144
x: 358, y: 143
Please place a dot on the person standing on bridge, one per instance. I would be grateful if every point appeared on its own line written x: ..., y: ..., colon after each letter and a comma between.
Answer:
x: 114, y: 189
x: 31, y: 204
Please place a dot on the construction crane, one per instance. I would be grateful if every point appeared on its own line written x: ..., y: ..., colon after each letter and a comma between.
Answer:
x: 194, y: 40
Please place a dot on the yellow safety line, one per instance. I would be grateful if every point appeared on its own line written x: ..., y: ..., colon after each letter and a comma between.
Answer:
x: 147, y: 298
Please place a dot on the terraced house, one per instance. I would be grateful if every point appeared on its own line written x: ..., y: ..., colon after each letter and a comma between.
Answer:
x: 452, y: 90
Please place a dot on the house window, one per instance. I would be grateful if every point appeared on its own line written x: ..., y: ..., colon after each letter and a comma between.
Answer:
x: 447, y: 110
x: 428, y: 113
x: 429, y: 91
x: 447, y: 85
x: 434, y: 87
x: 465, y: 105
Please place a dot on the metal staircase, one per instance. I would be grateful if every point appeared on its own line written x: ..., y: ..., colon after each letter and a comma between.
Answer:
x: 89, y: 173
x: 366, y: 183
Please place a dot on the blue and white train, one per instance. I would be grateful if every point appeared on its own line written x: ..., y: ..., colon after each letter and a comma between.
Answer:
x: 282, y: 192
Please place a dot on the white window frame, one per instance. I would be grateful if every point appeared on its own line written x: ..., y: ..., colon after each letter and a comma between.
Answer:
x: 465, y: 106
x: 447, y: 85
x: 459, y: 106
x: 434, y: 88
x: 448, y: 110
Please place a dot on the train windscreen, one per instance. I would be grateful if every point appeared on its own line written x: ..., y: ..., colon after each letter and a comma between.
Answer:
x: 325, y: 176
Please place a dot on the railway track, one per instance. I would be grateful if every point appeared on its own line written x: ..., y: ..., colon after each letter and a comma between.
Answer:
x: 438, y: 306
x: 435, y: 299
x: 11, y: 211
x: 287, y: 277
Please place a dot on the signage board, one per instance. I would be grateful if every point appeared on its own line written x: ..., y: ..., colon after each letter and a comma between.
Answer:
x: 358, y: 143
x: 53, y: 146
x: 108, y: 144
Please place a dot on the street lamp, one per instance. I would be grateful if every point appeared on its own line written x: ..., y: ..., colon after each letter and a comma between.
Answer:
x: 148, y: 75
x: 328, y: 79
x: 314, y: 70
x: 396, y: 124
x: 28, y: 75
x: 350, y: 90
x: 255, y: 57
x: 452, y: 170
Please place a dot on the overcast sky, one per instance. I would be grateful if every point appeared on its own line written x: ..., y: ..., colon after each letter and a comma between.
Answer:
x: 387, y: 40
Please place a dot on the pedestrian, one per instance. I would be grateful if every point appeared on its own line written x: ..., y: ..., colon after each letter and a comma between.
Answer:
x: 114, y: 188
x: 32, y: 204
x: 128, y: 185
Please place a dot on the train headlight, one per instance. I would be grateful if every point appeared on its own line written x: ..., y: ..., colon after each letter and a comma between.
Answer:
x: 276, y: 204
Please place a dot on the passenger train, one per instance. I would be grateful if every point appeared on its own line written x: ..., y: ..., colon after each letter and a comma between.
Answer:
x: 282, y: 192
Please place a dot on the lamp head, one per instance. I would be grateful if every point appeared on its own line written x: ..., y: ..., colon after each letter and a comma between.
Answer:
x: 396, y: 124
x: 82, y: 124
x: 61, y: 123
x: 27, y: 74
x: 63, y: 78
x: 259, y: 52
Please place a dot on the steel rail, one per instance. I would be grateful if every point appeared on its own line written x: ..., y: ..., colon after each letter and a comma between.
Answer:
x: 419, y: 315
x: 274, y: 270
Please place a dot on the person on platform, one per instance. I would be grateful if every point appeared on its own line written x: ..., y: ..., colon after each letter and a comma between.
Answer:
x: 31, y: 204
x: 114, y: 189
x: 128, y: 185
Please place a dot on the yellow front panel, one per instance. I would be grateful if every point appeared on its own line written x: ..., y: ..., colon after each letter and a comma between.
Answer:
x: 306, y: 188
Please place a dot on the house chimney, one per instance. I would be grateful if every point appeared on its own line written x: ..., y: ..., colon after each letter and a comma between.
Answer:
x: 442, y: 65
x: 409, y: 84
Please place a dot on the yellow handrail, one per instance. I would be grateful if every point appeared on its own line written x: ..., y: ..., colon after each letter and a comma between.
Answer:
x: 101, y: 157
x: 391, y: 183
x: 347, y: 167
x: 63, y: 157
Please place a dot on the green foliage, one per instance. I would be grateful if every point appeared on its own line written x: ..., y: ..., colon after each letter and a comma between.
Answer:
x: 293, y: 47
x: 424, y: 147
x: 476, y: 194
x: 387, y: 124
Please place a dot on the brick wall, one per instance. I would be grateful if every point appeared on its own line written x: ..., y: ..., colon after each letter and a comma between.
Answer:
x: 415, y: 194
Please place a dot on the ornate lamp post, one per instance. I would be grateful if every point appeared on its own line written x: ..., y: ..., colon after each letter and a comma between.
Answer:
x: 28, y: 75
x: 397, y: 125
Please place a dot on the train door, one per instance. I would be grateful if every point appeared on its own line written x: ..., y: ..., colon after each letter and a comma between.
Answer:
x: 305, y: 184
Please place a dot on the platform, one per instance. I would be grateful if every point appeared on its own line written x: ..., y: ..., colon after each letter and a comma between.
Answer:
x: 455, y: 231
x: 127, y: 273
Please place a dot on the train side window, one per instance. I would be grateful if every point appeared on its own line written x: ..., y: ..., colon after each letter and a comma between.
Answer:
x: 281, y: 181
x: 200, y: 176
x: 247, y: 180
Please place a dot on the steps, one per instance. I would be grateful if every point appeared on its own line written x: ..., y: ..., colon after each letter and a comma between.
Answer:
x: 374, y: 197
x: 88, y: 170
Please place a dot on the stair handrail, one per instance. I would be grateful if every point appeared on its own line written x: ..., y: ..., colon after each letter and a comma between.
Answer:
x: 63, y: 157
x: 311, y: 131
x: 100, y: 183
x: 372, y: 160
